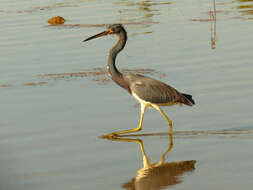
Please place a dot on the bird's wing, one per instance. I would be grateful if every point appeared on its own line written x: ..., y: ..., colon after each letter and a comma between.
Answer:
x: 153, y: 91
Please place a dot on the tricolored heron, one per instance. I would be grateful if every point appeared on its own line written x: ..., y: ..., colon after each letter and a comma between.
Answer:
x: 147, y: 91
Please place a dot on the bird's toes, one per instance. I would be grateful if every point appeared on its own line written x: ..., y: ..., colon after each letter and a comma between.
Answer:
x: 110, y: 136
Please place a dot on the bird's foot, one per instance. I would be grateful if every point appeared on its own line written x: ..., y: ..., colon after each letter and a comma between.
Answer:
x: 111, y: 136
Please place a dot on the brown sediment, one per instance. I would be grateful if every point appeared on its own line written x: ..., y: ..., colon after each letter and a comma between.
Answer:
x: 5, y: 85
x: 211, y: 20
x: 101, y: 80
x: 62, y: 75
x: 145, y: 3
x: 201, y: 20
x: 82, y: 25
x: 35, y: 83
x: 98, y: 74
x: 103, y: 25
x: 56, y: 20
x: 230, y: 15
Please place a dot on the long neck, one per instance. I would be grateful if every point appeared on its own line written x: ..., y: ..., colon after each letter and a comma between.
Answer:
x: 120, y: 44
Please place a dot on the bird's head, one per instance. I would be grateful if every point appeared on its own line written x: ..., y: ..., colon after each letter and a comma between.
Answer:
x: 111, y: 29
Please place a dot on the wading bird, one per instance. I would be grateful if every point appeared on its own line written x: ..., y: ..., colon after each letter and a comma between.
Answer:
x: 147, y: 91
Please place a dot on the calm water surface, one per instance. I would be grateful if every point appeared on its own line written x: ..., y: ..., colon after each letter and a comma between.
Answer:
x: 55, y: 103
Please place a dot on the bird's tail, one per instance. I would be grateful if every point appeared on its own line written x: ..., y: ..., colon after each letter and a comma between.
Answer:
x: 188, y: 100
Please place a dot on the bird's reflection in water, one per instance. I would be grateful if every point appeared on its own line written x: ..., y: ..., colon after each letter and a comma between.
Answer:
x: 155, y: 176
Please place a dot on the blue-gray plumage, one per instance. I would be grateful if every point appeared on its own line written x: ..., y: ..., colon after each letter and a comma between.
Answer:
x: 155, y: 91
x: 147, y: 91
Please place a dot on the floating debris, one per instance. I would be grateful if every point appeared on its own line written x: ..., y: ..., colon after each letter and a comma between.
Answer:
x: 56, y: 20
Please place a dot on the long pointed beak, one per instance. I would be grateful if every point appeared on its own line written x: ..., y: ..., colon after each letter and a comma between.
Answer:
x: 98, y: 35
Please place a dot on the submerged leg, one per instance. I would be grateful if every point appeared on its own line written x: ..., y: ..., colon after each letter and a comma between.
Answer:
x: 165, y: 116
x: 143, y: 108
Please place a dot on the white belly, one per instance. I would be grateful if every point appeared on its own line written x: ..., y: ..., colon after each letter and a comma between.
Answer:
x: 140, y: 100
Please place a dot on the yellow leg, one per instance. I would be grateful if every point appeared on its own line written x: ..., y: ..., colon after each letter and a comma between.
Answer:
x: 165, y: 116
x: 143, y: 108
x: 168, y: 149
x: 139, y: 141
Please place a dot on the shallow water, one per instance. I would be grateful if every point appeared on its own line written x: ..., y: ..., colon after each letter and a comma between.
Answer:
x: 56, y: 98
